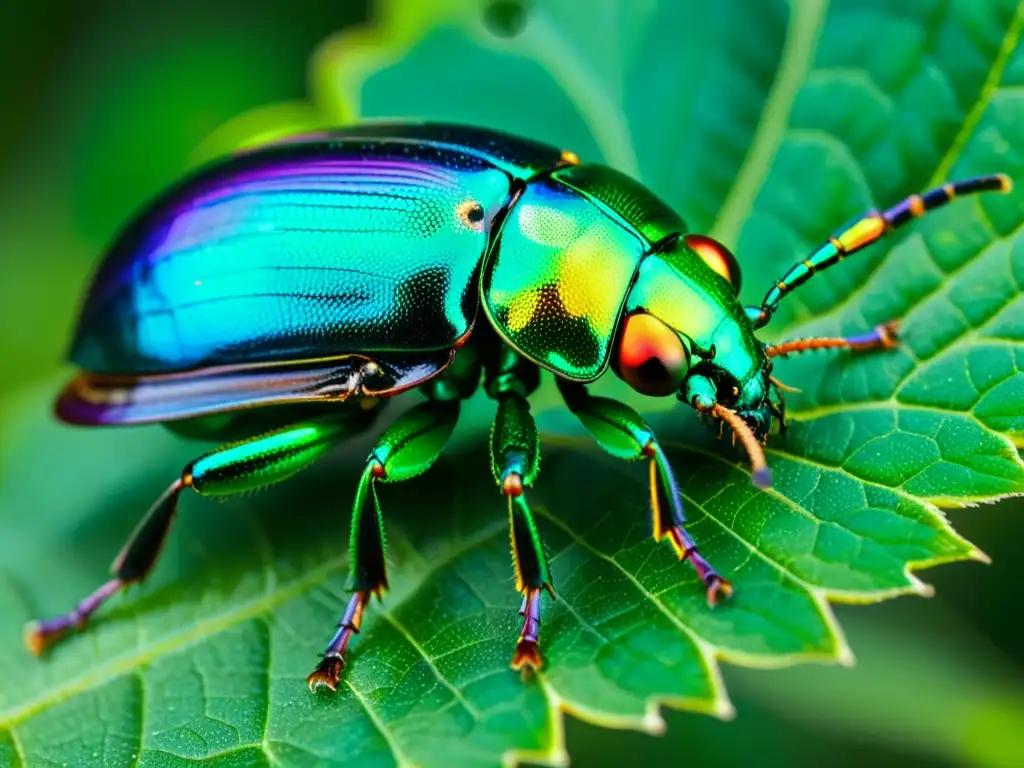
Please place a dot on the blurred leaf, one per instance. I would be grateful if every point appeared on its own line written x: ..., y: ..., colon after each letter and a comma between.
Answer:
x: 911, y: 688
x: 262, y: 125
x: 756, y: 141
x: 670, y: 91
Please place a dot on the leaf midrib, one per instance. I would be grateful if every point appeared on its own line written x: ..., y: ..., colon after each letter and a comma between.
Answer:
x: 988, y: 89
x: 939, y: 176
x: 807, y: 18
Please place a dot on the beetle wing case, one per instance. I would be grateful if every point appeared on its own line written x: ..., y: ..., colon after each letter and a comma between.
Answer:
x: 297, y: 251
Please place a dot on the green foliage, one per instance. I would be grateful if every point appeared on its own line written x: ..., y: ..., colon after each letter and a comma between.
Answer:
x: 765, y: 125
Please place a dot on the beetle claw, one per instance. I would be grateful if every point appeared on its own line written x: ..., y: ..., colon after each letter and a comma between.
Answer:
x: 327, y: 673
x: 888, y: 334
x: 527, y: 656
x: 527, y: 652
x: 332, y: 663
x: 719, y: 590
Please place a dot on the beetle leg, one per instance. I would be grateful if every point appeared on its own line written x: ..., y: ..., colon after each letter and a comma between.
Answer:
x: 407, y: 448
x: 233, y: 468
x: 883, y: 336
x: 515, y: 457
x: 622, y: 433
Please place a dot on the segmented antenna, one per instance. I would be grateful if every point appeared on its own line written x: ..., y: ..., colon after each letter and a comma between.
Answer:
x: 866, y: 230
x: 761, y: 473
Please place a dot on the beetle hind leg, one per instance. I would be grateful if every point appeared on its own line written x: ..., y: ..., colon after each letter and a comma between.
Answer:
x: 332, y: 662
x: 234, y: 468
x: 515, y: 460
x: 532, y: 578
x: 527, y: 654
x: 133, y: 564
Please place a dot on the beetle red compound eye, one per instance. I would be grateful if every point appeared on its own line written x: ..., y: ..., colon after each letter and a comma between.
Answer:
x: 651, y: 358
x: 716, y: 256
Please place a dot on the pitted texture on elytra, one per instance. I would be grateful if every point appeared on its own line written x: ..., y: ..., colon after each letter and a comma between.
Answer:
x: 631, y: 200
x: 557, y: 278
x: 299, y: 251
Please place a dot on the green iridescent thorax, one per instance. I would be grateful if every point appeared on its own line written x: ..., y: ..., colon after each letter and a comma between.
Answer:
x: 635, y: 205
x: 677, y: 287
x: 673, y: 283
x: 556, y: 279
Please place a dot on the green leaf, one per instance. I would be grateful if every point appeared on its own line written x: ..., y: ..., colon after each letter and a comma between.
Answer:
x: 766, y: 124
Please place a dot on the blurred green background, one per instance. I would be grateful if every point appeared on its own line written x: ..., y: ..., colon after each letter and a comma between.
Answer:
x: 105, y: 102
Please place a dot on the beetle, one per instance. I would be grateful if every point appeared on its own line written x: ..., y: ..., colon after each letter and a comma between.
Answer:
x: 276, y: 299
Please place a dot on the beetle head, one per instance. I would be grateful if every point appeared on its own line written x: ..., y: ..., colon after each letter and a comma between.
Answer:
x: 656, y: 360
x: 685, y: 333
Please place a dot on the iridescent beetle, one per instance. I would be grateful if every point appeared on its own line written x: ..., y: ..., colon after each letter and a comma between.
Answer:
x: 326, y: 274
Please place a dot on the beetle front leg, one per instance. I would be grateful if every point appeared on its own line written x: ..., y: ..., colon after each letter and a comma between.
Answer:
x: 242, y: 466
x: 407, y: 448
x: 622, y: 433
x: 515, y: 458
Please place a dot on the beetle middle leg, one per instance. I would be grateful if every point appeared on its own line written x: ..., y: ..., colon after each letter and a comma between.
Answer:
x: 622, y: 433
x: 515, y: 460
x: 407, y: 448
x: 242, y: 466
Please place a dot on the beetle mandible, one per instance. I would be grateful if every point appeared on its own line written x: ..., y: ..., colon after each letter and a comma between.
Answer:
x: 277, y: 298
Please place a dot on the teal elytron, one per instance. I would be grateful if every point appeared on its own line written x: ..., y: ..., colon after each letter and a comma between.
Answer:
x: 277, y: 299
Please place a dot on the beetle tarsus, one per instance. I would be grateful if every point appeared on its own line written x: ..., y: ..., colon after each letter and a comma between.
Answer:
x: 328, y: 672
x: 527, y: 656
x: 527, y: 653
x: 884, y: 336
x: 41, y: 635
x: 718, y: 588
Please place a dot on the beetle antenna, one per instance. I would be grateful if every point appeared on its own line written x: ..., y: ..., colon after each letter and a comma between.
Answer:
x: 783, y: 386
x: 867, y: 229
x: 761, y: 473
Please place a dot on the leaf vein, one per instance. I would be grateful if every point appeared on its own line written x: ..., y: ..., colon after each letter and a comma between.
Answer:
x: 390, y: 618
x: 400, y: 759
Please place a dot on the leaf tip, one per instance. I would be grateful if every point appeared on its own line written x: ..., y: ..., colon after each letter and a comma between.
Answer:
x: 979, y: 556
x: 653, y: 723
x: 724, y: 709
x: 845, y: 657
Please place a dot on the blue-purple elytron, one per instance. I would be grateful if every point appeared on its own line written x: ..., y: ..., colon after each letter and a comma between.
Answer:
x: 277, y: 299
